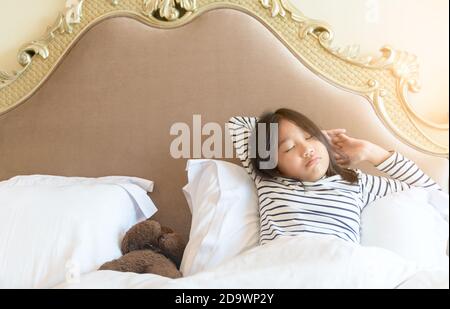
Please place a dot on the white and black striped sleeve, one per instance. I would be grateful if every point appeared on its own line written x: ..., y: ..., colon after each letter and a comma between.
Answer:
x: 403, y: 173
x: 241, y: 128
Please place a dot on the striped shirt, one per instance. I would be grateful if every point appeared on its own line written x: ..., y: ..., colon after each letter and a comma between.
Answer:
x: 330, y: 205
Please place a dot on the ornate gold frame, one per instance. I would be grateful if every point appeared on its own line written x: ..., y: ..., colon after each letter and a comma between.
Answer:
x: 384, y: 80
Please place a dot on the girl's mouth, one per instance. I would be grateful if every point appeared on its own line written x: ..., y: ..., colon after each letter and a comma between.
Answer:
x: 312, y: 162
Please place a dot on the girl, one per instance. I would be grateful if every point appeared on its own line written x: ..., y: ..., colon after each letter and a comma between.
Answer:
x: 311, y: 190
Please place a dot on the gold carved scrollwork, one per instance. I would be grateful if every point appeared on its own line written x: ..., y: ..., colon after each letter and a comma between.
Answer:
x: 169, y: 10
x: 277, y: 7
x: 63, y: 24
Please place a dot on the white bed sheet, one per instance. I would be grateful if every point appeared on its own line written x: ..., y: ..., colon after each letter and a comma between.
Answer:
x: 310, y: 261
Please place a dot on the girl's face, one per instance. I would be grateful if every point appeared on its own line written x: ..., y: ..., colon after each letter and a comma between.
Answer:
x: 300, y: 155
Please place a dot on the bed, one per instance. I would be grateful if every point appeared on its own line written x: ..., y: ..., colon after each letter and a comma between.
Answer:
x: 99, y: 92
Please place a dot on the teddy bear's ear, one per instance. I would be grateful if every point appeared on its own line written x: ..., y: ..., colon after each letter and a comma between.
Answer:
x: 144, y: 235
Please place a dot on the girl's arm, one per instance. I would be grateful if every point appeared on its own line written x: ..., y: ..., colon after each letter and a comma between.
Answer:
x: 403, y: 172
x: 240, y: 129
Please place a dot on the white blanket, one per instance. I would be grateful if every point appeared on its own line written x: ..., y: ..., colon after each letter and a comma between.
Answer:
x: 309, y: 261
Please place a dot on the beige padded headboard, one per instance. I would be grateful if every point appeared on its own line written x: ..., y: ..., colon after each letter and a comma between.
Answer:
x: 108, y: 107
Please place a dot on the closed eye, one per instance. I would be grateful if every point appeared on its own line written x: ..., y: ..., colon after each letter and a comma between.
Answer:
x: 290, y: 148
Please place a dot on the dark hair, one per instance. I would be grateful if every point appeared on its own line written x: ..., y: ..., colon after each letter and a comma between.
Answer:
x: 307, y: 125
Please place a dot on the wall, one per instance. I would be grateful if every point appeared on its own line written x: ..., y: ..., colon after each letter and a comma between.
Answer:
x: 419, y: 26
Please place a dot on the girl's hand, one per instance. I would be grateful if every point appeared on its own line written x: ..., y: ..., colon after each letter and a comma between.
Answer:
x: 329, y: 134
x: 351, y: 151
x: 341, y: 158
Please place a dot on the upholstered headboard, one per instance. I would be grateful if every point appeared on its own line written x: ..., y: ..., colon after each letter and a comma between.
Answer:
x: 99, y: 97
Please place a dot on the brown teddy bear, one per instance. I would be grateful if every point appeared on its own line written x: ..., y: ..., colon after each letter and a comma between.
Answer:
x: 150, y: 248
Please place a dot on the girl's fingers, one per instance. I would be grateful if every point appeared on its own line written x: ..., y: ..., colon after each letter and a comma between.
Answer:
x: 325, y: 133
x: 333, y: 132
x: 342, y: 159
x: 340, y: 137
x: 336, y: 131
x: 338, y: 150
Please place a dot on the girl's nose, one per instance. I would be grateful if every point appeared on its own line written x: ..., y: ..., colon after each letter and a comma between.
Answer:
x: 309, y: 152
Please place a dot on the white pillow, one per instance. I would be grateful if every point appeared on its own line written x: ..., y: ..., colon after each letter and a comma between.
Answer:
x: 225, y: 217
x: 56, y: 228
x: 409, y: 223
